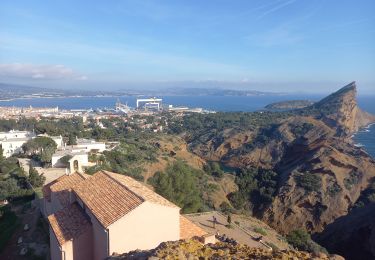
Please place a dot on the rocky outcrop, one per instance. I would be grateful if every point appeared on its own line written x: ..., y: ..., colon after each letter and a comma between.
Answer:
x: 352, y: 236
x: 340, y: 110
x: 192, y: 249
x: 321, y: 173
x: 340, y: 171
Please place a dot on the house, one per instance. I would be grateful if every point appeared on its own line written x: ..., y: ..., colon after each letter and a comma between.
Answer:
x: 92, y: 217
x: 76, y: 159
x: 12, y: 141
x: 77, y: 154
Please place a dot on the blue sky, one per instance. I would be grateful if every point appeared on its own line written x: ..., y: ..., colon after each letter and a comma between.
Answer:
x: 275, y: 45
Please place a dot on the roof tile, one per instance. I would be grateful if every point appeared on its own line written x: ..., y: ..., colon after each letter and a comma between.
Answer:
x: 106, y: 198
x: 69, y: 223
x: 63, y: 185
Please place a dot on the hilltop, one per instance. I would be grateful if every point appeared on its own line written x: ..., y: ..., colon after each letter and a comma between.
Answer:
x: 341, y: 110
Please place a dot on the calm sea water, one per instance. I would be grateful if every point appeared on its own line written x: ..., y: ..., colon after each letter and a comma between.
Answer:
x: 365, y: 137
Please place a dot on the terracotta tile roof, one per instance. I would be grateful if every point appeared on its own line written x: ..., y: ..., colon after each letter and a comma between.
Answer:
x: 107, y: 198
x: 69, y: 223
x: 189, y: 230
x: 141, y: 190
x: 64, y: 184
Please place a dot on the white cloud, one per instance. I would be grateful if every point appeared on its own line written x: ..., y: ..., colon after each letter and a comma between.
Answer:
x: 38, y: 72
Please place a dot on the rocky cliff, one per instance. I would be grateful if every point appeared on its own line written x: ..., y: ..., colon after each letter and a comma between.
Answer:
x: 352, y: 236
x: 321, y: 174
x: 341, y: 110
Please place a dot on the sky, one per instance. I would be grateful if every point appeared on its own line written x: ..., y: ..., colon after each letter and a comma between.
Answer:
x: 270, y: 45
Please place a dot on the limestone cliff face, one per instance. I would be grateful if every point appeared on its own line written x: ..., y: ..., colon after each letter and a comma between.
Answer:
x: 313, y: 143
x: 342, y: 170
x: 340, y: 110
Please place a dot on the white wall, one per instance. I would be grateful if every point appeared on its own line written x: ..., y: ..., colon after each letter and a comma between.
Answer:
x: 12, y: 147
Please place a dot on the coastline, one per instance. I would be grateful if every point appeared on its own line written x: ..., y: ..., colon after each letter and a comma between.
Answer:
x: 365, y: 130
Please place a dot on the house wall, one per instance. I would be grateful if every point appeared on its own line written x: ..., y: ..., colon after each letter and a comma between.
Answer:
x: 58, y: 141
x: 99, y: 236
x: 12, y: 147
x: 144, y: 228
x: 82, y: 247
x: 56, y: 253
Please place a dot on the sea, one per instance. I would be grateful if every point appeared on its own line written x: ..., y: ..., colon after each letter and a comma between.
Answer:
x: 364, y: 137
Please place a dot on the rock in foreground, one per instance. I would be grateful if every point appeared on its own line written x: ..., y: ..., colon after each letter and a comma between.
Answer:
x: 192, y: 249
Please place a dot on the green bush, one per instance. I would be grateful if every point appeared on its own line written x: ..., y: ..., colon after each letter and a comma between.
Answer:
x: 179, y: 184
x: 36, y: 179
x: 334, y: 189
x: 308, y: 181
x: 301, y: 240
x: 260, y: 231
x: 225, y: 207
x: 257, y: 187
x: 353, y: 179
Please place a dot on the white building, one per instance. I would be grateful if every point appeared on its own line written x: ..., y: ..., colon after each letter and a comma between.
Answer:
x: 78, y: 154
x: 81, y: 156
x: 12, y: 141
x: 89, y: 145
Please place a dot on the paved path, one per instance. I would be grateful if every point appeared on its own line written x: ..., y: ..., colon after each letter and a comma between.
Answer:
x: 205, y: 221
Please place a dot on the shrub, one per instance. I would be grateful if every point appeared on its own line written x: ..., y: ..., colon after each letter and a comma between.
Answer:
x: 353, y: 178
x: 36, y: 179
x: 179, y: 184
x: 334, y: 189
x: 225, y: 207
x: 260, y: 231
x: 308, y: 181
x: 257, y: 187
x: 301, y: 240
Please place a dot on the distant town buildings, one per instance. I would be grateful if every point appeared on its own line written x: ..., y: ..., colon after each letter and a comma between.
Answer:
x: 93, y: 217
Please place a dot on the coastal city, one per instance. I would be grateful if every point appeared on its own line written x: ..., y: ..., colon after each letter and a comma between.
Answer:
x: 144, y: 106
